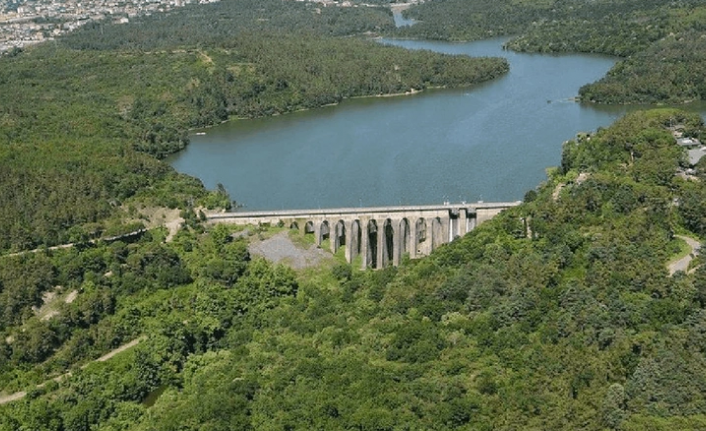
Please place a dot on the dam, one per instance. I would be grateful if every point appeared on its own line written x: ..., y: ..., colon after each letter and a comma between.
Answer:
x: 380, y: 235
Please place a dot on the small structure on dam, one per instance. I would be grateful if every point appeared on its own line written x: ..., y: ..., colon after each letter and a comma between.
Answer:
x: 380, y: 235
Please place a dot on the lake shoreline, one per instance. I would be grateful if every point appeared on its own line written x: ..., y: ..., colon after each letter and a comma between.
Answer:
x: 410, y: 92
x: 489, y: 141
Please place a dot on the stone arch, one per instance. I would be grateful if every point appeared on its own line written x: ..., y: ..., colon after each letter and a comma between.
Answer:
x: 354, y: 240
x: 404, y: 239
x: 324, y: 232
x: 420, y: 236
x: 437, y: 233
x: 388, y: 243
x: 372, y: 251
x: 338, y: 238
x: 309, y: 227
x: 294, y: 225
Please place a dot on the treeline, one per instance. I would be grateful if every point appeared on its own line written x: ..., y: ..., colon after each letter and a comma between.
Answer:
x: 670, y: 71
x: 573, y: 323
x: 552, y: 26
x: 661, y: 39
x: 220, y: 24
x: 614, y: 27
x: 540, y: 25
x: 462, y: 20
x: 80, y: 115
x: 626, y: 35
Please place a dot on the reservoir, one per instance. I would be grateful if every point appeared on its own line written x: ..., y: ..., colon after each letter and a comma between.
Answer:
x: 491, y: 142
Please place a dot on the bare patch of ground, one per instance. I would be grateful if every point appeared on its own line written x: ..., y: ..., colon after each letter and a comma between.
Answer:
x: 281, y: 249
x: 159, y: 216
x: 557, y: 191
x: 153, y: 217
x: 49, y: 314
x: 71, y: 297
x: 169, y: 218
x: 583, y: 176
x: 682, y: 264
x: 173, y: 227
x: 206, y: 59
x: 51, y: 301
x: 49, y: 306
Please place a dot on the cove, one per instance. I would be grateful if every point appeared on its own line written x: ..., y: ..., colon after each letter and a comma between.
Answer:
x: 489, y: 142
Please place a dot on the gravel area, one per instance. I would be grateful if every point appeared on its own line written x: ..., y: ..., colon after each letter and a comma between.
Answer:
x: 280, y: 249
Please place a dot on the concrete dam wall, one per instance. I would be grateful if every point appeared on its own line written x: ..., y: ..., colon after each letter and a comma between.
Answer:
x: 380, y: 235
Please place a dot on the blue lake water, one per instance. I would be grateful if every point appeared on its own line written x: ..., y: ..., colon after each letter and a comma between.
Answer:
x: 490, y: 142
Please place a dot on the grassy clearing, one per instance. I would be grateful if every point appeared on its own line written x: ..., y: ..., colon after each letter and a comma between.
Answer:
x: 679, y: 249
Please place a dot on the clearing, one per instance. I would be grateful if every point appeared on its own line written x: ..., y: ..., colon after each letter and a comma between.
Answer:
x: 280, y: 248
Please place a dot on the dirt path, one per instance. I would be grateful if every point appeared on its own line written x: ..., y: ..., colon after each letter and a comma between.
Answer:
x: 4, y: 399
x: 37, y: 250
x: 152, y: 217
x: 14, y: 397
x: 120, y: 349
x: 173, y: 227
x: 63, y: 246
x: 682, y: 264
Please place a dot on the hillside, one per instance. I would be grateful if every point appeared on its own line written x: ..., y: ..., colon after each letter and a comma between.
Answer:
x: 559, y: 314
x: 574, y: 324
x: 661, y: 41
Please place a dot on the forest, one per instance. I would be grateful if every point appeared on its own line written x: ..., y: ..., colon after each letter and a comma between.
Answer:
x: 660, y: 41
x: 559, y: 314
x: 574, y: 323
x: 669, y: 71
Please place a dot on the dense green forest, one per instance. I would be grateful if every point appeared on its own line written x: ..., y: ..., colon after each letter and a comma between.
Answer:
x: 663, y: 41
x: 557, y: 314
x: 83, y: 119
x: 671, y: 71
x: 618, y: 27
x: 572, y: 324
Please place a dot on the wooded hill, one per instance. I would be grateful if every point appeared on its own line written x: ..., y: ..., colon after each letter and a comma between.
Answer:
x: 663, y: 41
x: 558, y: 314
x: 572, y: 324
x: 81, y: 116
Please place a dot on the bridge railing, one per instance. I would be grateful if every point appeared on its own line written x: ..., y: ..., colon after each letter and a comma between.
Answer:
x: 303, y: 213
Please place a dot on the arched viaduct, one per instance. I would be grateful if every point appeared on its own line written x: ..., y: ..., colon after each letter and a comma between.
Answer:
x: 381, y: 235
